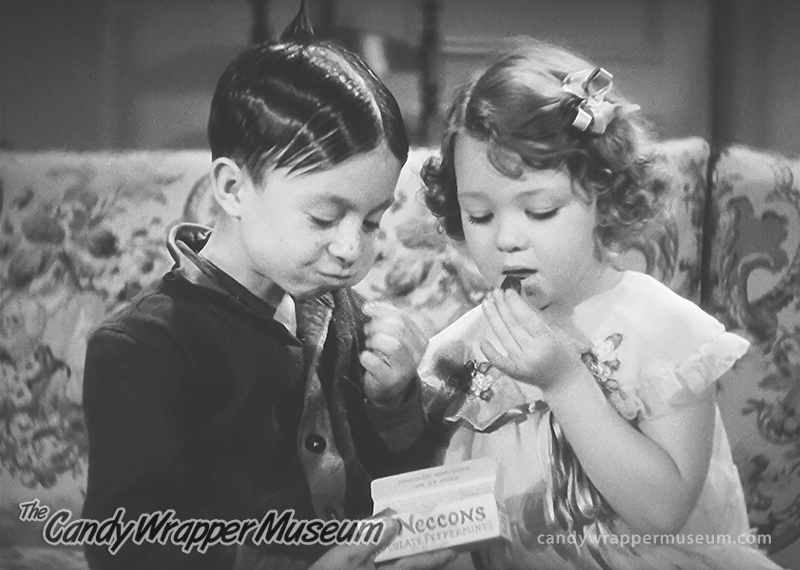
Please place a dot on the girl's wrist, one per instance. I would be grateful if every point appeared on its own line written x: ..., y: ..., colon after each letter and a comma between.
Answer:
x: 573, y: 385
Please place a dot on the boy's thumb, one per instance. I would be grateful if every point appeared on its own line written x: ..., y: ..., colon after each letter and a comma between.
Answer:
x: 391, y: 528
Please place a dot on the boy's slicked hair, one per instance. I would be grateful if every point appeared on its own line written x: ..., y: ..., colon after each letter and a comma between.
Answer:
x: 301, y: 105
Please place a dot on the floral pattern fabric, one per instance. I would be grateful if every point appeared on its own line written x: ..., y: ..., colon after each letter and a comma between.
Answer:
x: 81, y: 234
x: 754, y: 289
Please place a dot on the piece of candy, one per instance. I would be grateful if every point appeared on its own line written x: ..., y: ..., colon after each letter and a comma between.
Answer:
x: 512, y: 282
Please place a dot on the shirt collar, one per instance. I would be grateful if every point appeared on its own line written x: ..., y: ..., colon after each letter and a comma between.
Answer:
x: 185, y: 241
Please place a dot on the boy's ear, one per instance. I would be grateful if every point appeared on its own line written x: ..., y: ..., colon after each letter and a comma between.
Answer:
x: 228, y: 182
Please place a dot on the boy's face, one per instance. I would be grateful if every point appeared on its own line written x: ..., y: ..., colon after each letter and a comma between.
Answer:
x: 534, y: 226
x: 316, y: 232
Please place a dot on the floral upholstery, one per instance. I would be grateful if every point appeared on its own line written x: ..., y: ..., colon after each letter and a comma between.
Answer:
x: 754, y: 282
x: 82, y: 234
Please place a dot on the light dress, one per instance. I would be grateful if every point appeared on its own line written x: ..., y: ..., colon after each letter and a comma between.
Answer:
x: 663, y: 351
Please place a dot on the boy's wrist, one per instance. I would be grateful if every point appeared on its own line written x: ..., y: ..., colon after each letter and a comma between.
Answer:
x: 400, y: 422
x: 393, y: 399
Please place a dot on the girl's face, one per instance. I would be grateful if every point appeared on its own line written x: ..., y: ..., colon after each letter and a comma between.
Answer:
x: 535, y: 227
x: 312, y: 233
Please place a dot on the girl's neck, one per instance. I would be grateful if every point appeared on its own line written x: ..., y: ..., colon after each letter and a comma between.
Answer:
x: 598, y: 280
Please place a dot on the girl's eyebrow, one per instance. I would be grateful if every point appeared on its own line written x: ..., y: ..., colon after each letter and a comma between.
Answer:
x: 481, y: 195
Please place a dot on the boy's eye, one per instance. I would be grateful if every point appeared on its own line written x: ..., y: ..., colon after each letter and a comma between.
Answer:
x: 543, y: 215
x: 480, y: 219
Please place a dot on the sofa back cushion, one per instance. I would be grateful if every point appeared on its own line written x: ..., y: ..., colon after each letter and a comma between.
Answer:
x: 81, y: 234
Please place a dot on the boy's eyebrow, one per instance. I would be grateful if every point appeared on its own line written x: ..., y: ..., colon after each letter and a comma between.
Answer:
x: 347, y: 205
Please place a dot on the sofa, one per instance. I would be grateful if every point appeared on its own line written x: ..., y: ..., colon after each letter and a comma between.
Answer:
x: 82, y: 234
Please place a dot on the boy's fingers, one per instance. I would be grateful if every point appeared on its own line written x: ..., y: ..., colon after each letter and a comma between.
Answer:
x: 363, y: 552
x: 385, y: 345
x: 395, y: 325
x: 376, y: 365
x: 358, y: 556
x: 426, y: 561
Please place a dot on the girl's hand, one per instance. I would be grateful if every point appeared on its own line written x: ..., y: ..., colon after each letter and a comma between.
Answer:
x: 536, y: 352
x: 394, y: 347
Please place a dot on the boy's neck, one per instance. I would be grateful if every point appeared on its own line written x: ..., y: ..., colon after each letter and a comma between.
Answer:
x: 228, y: 256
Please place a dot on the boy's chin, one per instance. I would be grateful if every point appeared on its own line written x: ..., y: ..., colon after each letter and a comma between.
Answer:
x: 306, y: 294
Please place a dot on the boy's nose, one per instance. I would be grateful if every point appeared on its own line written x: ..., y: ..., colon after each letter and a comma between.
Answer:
x: 346, y: 248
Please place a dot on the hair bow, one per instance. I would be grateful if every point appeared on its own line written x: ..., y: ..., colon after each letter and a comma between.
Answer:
x: 594, y: 112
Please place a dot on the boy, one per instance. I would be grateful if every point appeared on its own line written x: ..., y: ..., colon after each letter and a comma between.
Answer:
x: 249, y: 379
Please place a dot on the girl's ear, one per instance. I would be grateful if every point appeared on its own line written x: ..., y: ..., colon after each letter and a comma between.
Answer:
x: 228, y: 182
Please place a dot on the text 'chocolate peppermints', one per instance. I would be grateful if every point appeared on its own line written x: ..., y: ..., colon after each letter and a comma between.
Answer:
x: 512, y: 282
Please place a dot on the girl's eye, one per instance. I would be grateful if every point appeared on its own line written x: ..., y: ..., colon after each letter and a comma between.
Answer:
x: 370, y: 226
x: 480, y: 219
x: 543, y: 215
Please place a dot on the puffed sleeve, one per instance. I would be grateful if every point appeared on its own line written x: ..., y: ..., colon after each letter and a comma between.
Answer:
x: 668, y: 383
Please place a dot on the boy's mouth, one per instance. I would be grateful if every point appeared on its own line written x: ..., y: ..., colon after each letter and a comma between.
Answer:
x: 339, y: 276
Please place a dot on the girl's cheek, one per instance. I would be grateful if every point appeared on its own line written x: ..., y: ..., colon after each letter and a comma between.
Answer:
x: 369, y: 250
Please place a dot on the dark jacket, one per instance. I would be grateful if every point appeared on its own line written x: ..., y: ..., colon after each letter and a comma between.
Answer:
x: 198, y: 400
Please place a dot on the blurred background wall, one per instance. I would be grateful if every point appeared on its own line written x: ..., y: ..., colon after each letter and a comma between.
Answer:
x: 118, y: 74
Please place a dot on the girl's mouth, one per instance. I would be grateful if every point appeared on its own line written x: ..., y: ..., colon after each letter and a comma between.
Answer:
x: 528, y: 285
x: 515, y: 277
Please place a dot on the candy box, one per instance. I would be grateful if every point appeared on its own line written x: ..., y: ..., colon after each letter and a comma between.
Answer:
x: 441, y: 507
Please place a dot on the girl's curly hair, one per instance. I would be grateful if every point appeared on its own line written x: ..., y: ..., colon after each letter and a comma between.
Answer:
x: 517, y: 107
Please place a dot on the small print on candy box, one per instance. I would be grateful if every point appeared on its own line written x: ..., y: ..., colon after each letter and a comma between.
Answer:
x: 441, y: 507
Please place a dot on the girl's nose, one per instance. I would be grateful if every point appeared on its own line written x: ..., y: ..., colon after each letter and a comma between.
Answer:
x: 510, y: 234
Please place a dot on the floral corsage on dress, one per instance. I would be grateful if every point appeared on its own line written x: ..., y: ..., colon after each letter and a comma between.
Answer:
x: 477, y: 392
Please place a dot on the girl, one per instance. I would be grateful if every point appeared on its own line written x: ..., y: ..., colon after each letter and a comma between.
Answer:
x: 591, y: 387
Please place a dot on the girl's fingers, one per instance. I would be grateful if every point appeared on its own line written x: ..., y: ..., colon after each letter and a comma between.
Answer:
x: 498, y: 324
x: 513, y: 317
x: 502, y: 363
x: 529, y: 319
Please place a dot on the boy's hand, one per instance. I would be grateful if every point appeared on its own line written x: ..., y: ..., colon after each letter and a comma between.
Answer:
x: 362, y: 556
x: 394, y: 347
x: 536, y: 353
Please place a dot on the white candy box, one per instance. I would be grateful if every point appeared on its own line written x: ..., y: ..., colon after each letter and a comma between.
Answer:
x: 441, y: 507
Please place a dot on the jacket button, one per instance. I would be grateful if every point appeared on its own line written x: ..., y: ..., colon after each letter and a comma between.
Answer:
x: 315, y: 443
